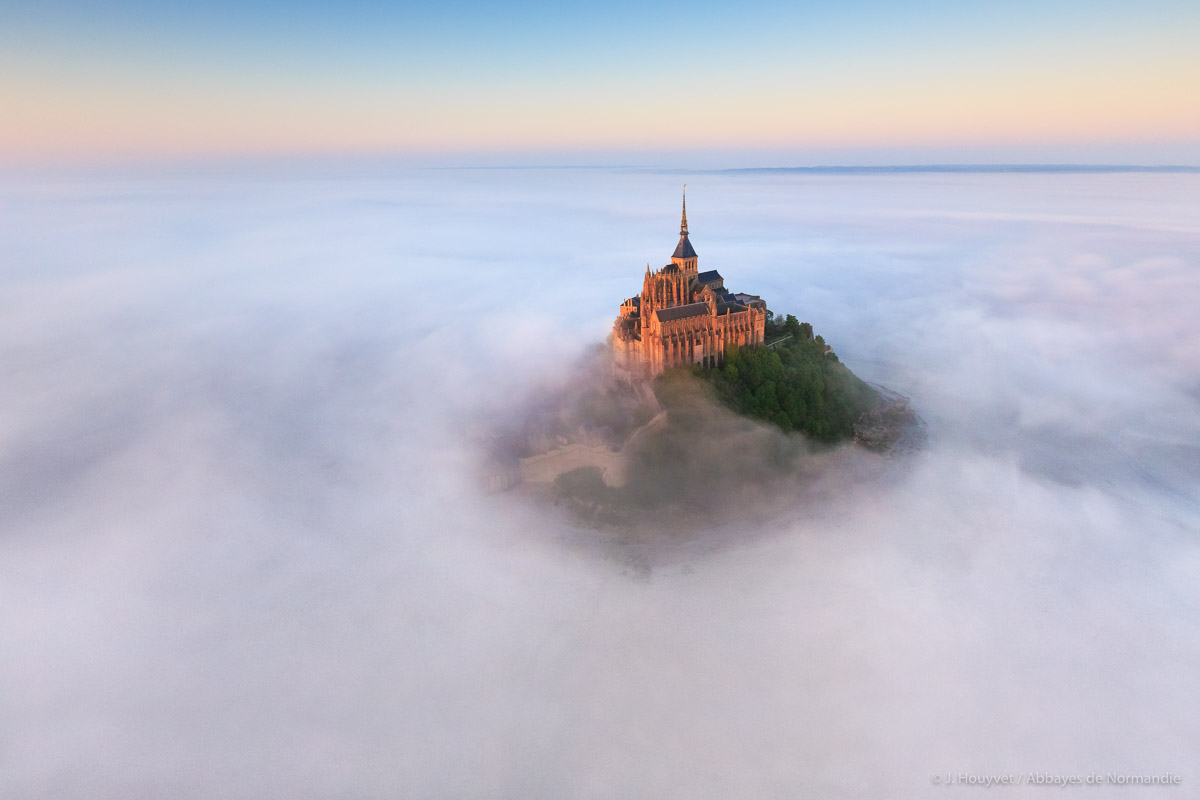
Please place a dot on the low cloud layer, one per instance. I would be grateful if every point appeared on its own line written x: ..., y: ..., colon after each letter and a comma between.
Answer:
x: 244, y: 552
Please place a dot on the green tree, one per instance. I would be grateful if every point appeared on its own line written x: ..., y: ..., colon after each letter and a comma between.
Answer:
x: 797, y: 386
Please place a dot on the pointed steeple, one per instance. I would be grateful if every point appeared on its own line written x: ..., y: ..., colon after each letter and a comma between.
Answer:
x: 683, y: 222
x: 684, y: 254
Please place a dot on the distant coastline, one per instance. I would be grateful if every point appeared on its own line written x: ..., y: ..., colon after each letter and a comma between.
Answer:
x: 847, y: 169
x: 969, y: 169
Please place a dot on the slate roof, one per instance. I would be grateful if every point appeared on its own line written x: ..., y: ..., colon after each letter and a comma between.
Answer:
x: 670, y: 269
x: 712, y: 276
x: 682, y: 312
x: 684, y: 248
x: 729, y: 308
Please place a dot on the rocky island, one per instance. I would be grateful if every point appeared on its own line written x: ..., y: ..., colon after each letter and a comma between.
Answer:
x: 702, y: 399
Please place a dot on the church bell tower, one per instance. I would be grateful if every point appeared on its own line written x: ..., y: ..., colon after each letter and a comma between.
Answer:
x: 685, y: 255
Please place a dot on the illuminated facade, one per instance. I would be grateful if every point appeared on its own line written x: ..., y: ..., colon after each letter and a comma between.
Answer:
x: 683, y: 316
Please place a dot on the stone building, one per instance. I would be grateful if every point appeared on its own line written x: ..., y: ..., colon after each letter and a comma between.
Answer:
x: 683, y: 316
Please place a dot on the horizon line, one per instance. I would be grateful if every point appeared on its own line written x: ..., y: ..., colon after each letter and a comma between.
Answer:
x: 279, y: 167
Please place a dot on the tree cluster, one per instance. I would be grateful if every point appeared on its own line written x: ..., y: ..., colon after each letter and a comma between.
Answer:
x: 796, y: 384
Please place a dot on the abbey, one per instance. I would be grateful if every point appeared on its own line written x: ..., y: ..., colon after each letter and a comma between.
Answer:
x: 683, y: 316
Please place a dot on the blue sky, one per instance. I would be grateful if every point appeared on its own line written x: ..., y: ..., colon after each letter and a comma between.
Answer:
x: 172, y: 78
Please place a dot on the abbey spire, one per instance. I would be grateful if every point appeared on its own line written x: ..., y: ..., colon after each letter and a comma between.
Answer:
x: 683, y: 222
x: 684, y: 255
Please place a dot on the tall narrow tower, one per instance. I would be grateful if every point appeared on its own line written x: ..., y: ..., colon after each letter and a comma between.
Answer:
x: 685, y: 255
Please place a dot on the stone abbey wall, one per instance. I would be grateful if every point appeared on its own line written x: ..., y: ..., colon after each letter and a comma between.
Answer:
x: 700, y: 340
x: 683, y: 316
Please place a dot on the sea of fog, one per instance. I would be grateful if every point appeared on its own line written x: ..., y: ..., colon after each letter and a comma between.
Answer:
x: 245, y: 552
